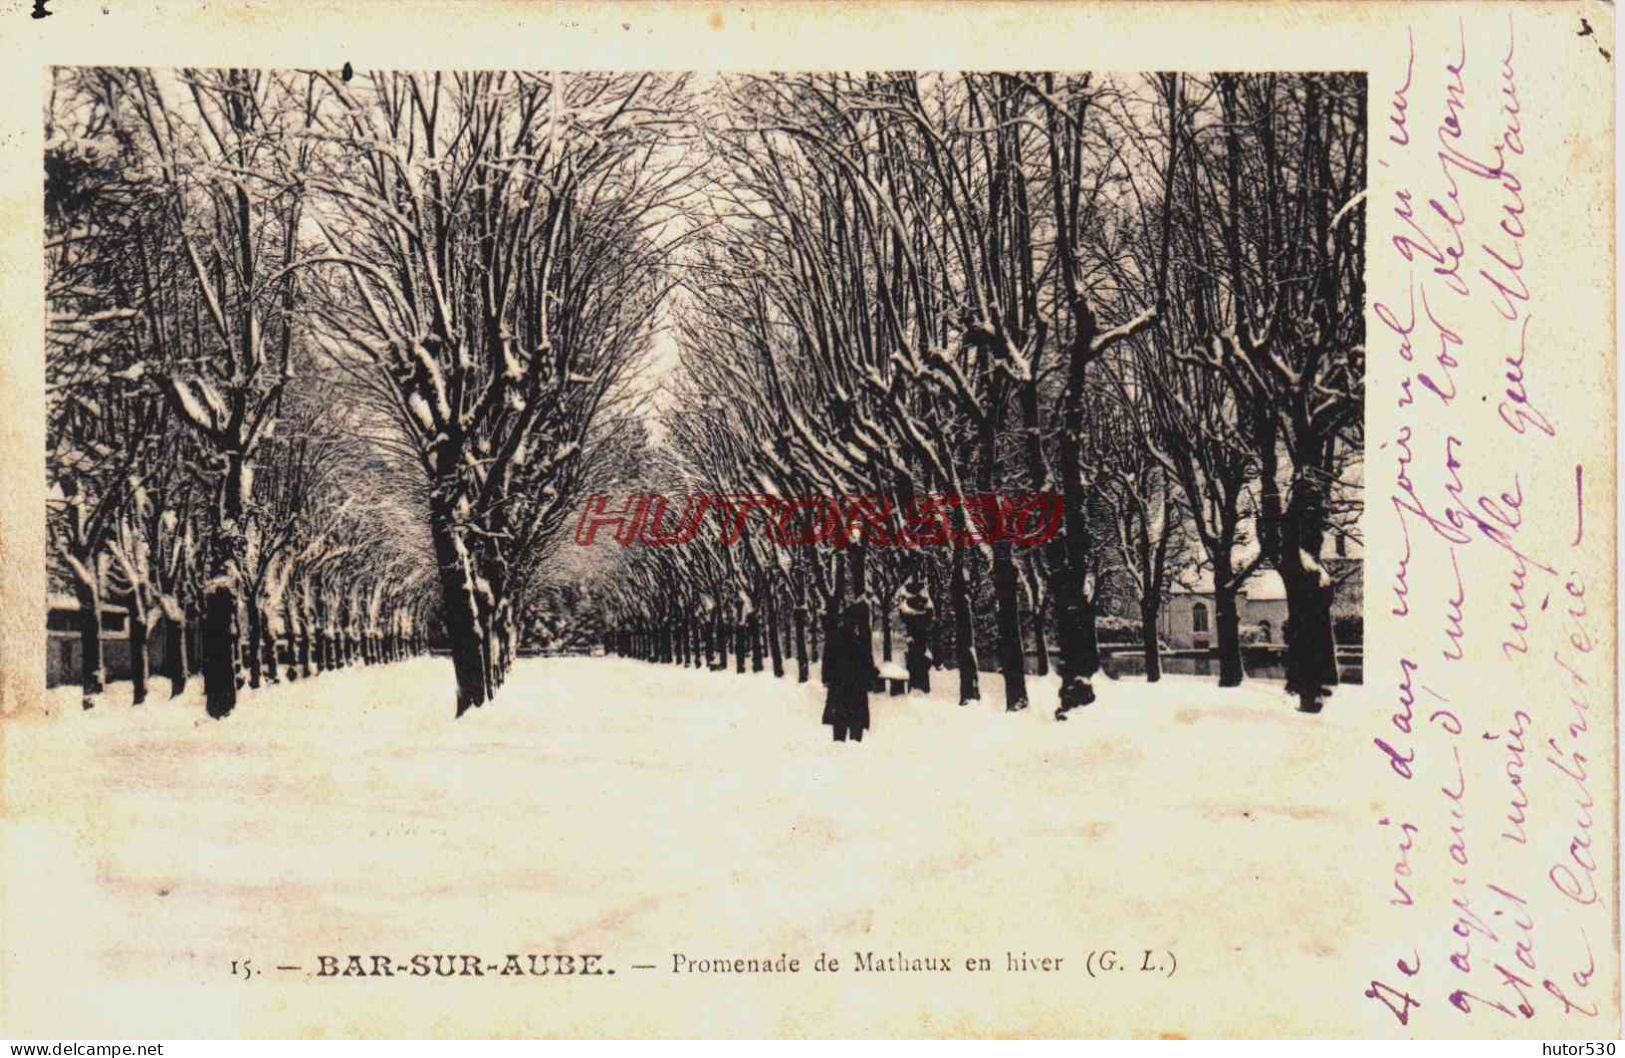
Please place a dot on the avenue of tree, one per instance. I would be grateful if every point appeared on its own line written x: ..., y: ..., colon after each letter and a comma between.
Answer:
x: 1144, y: 294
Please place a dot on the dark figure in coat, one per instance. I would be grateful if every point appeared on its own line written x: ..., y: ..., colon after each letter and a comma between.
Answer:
x: 918, y: 616
x: 851, y: 673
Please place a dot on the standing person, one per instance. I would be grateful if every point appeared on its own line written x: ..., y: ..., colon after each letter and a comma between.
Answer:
x: 852, y: 672
x: 918, y: 615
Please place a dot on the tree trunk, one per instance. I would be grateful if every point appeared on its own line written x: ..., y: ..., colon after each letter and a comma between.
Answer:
x: 1090, y: 616
x: 316, y: 623
x: 1227, y: 628
x: 1012, y: 658
x: 220, y: 605
x: 1297, y: 534
x: 291, y: 623
x: 837, y: 659
x: 849, y: 652
x: 502, y: 644
x: 488, y: 655
x: 1041, y: 638
x: 1037, y: 480
x: 255, y: 630
x: 1148, y: 640
x: 175, y: 662
x: 458, y: 607
x: 917, y: 625
x: 803, y: 672
x: 775, y: 650
x: 138, y: 653
x: 964, y: 631
x: 1069, y: 555
x: 269, y: 639
x: 194, y: 642
x: 753, y: 630
x: 834, y: 647
x: 1311, y: 651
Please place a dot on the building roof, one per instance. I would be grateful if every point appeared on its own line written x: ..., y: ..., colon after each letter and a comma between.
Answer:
x: 1264, y: 585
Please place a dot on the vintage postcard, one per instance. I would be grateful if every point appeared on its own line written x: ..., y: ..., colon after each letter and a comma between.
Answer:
x: 789, y: 520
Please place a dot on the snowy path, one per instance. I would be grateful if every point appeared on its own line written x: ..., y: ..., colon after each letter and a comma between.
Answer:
x: 605, y: 805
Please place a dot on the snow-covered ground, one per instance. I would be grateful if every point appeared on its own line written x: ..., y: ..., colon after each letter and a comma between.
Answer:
x: 609, y: 806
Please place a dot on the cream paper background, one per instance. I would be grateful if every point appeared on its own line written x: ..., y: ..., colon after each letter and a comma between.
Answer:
x: 57, y: 918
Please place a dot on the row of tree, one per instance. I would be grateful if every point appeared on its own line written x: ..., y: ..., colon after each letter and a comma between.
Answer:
x: 1144, y: 294
x: 339, y: 354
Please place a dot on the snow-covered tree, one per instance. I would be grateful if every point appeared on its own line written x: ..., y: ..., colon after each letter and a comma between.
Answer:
x: 492, y: 238
x: 1276, y: 244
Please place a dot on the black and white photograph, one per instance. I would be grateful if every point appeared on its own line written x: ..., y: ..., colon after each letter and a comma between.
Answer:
x: 765, y: 552
x: 343, y: 365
